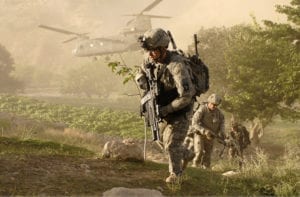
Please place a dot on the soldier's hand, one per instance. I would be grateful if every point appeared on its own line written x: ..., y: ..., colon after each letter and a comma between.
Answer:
x: 221, y: 135
x: 190, y: 134
x: 165, y: 110
x: 227, y: 142
x: 208, y: 133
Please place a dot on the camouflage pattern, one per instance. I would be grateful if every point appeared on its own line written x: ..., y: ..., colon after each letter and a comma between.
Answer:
x: 206, y: 120
x: 174, y: 76
x: 154, y: 38
x: 239, y: 135
x: 178, y: 91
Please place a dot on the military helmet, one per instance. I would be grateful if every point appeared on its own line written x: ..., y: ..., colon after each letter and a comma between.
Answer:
x: 215, y: 99
x: 154, y: 38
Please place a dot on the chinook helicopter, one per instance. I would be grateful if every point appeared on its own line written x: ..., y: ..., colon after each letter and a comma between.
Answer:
x: 125, y: 41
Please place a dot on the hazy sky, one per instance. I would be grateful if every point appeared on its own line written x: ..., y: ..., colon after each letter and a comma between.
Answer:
x: 19, y: 20
x: 190, y: 16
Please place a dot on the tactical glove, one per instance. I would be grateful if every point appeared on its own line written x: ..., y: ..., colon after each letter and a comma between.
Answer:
x: 221, y: 135
x: 209, y: 134
x: 165, y: 110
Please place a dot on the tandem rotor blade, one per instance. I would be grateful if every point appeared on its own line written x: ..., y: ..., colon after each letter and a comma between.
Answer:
x: 152, y: 5
x: 62, y: 31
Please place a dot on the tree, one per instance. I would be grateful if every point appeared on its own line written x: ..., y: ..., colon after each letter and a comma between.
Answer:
x: 8, y: 83
x: 289, y: 31
x: 256, y: 68
x: 262, y: 75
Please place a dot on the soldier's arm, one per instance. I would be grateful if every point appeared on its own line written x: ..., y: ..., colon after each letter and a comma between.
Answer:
x: 197, y: 125
x: 184, y: 86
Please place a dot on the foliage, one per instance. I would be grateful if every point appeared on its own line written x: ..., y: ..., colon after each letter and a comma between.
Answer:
x: 261, y: 75
x: 7, y: 82
x: 120, y: 123
x: 126, y: 72
x: 256, y: 68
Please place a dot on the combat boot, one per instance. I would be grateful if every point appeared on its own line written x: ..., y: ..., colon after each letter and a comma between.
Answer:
x: 173, y: 178
x: 189, y: 157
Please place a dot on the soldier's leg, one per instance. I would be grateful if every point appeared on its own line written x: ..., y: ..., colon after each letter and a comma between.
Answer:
x: 174, y: 135
x: 231, y: 153
x: 208, y: 147
x: 198, y: 149
x: 188, y: 152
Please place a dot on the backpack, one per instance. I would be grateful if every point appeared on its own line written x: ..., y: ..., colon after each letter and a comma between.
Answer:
x: 199, y: 72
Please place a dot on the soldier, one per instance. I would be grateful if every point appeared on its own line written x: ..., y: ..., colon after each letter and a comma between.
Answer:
x: 175, y: 98
x: 238, y: 138
x: 207, y: 123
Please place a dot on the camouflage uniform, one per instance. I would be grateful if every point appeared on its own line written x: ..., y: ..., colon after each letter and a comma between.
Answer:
x: 176, y: 97
x: 205, y: 120
x: 238, y: 140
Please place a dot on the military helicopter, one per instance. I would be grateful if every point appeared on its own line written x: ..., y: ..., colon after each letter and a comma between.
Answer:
x: 125, y: 41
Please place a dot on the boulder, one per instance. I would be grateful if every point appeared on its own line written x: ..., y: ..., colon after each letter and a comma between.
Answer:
x: 123, y: 150
x: 131, y: 192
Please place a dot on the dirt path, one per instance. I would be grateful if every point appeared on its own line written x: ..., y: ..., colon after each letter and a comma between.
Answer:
x: 60, y: 175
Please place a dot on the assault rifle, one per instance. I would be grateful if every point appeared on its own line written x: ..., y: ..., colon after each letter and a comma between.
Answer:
x: 149, y: 105
x: 230, y: 141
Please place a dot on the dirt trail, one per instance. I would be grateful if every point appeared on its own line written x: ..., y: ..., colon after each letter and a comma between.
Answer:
x: 60, y: 175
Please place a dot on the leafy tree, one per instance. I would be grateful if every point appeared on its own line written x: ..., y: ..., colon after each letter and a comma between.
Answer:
x: 255, y: 67
x: 261, y: 74
x: 7, y: 82
x: 289, y: 31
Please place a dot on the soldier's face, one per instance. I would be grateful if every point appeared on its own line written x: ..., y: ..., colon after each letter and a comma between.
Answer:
x: 212, y: 106
x: 155, y: 54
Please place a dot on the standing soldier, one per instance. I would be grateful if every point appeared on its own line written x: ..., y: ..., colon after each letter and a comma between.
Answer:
x: 175, y: 94
x: 238, y: 139
x: 207, y: 123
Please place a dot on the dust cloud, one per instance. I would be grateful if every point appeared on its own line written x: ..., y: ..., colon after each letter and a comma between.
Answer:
x: 30, y: 45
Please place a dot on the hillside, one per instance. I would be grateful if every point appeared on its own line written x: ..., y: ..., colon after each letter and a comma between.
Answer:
x: 34, y: 168
x: 52, y: 169
x: 40, y: 155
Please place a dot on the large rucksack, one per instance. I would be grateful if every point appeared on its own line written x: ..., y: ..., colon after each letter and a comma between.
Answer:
x: 200, y: 74
x: 199, y: 71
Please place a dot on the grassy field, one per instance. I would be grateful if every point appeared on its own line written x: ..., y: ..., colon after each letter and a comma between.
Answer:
x: 31, y: 167
x: 39, y: 157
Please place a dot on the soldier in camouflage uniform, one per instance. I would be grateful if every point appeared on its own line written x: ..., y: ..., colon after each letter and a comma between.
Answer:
x: 238, y: 139
x: 207, y: 123
x: 175, y: 97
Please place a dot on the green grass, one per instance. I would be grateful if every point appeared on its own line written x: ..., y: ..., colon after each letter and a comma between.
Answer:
x: 259, y: 176
x: 272, y: 171
x: 37, y: 147
x: 91, y: 119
